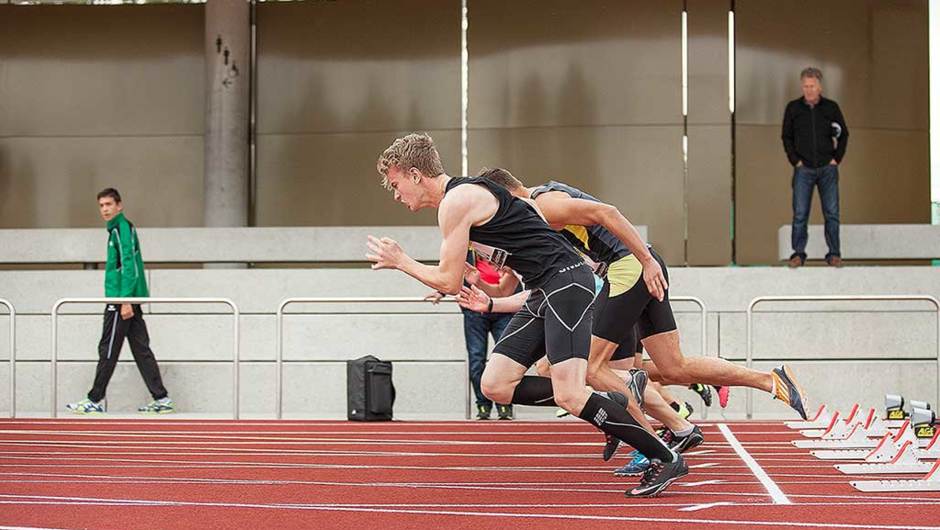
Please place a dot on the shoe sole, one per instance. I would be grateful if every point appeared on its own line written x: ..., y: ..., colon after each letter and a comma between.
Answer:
x: 619, y: 473
x: 723, y: 396
x: 659, y: 489
x: 785, y: 376
x: 697, y: 441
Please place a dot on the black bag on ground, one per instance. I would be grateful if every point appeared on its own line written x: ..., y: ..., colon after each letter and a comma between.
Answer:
x: 370, y: 393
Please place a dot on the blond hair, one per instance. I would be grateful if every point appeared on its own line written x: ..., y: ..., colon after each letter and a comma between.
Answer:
x: 502, y: 177
x: 411, y: 151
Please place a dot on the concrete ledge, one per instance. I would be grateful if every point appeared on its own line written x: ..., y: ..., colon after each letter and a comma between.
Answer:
x: 875, y: 242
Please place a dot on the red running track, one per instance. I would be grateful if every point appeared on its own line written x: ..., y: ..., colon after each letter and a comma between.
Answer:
x: 109, y: 473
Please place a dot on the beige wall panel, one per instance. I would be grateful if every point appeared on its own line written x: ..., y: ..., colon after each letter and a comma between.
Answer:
x: 101, y: 71
x: 52, y: 182
x: 338, y: 81
x: 637, y: 169
x: 360, y: 65
x: 330, y: 179
x: 709, y: 195
x: 882, y: 180
x: 875, y: 66
x: 708, y: 191
x: 564, y: 63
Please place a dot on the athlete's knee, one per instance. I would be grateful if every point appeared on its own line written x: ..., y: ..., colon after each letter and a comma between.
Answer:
x: 570, y: 399
x: 496, y: 390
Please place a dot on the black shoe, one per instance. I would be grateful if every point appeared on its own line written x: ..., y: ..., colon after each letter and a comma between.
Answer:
x: 613, y: 443
x: 484, y: 411
x: 659, y: 476
x: 504, y: 412
x: 703, y: 392
x: 681, y: 444
x: 637, y: 384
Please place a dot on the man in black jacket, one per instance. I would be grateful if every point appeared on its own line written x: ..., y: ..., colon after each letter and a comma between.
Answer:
x: 815, y: 137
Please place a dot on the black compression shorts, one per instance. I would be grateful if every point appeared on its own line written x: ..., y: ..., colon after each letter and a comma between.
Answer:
x: 556, y: 320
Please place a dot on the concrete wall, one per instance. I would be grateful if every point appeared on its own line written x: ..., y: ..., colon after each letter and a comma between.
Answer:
x: 843, y: 352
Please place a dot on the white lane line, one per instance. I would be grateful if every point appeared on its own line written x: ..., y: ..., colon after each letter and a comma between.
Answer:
x: 775, y: 492
x: 698, y: 507
x: 372, y: 510
x: 701, y: 483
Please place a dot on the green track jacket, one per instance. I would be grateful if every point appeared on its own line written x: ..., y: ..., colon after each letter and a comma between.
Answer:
x: 124, y: 271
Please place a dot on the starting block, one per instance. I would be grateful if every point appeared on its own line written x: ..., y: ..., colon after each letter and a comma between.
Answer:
x: 923, y: 421
x: 930, y: 482
x: 857, y: 438
x: 819, y: 421
x: 894, y: 407
x: 905, y: 461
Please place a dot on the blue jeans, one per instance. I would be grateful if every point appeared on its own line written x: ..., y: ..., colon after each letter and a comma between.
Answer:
x: 476, y: 327
x: 804, y: 179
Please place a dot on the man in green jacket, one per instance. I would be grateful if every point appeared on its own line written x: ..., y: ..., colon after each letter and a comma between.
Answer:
x: 123, y: 278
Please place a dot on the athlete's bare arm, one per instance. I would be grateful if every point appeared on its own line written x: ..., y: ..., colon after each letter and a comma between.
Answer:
x: 560, y: 208
x: 461, y: 208
x: 474, y: 299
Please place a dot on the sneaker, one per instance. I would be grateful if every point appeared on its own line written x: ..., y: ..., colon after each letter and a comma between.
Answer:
x: 561, y: 413
x: 723, y: 392
x: 685, y: 410
x: 785, y: 389
x: 158, y: 406
x: 637, y: 465
x: 86, y: 406
x: 504, y: 412
x: 681, y: 444
x: 637, y: 384
x: 612, y: 443
x: 703, y: 392
x: 659, y: 476
x: 484, y: 411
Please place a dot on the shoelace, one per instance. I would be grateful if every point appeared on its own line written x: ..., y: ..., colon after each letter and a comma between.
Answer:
x: 652, y: 473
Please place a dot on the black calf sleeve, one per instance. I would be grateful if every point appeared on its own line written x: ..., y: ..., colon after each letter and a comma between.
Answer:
x: 614, y: 420
x: 535, y: 391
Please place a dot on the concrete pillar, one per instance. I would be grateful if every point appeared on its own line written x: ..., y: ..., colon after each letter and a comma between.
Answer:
x: 228, y: 40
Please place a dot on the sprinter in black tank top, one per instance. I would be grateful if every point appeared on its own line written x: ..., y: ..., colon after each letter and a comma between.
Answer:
x: 557, y: 316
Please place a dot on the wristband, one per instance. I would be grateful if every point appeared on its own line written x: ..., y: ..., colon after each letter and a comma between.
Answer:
x: 489, y: 307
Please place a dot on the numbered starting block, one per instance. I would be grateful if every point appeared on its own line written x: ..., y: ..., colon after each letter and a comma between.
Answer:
x: 894, y: 407
x: 930, y: 482
x: 923, y: 420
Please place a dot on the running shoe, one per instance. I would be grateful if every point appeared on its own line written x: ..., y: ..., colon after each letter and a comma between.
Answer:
x: 703, y: 392
x: 658, y: 477
x: 681, y: 444
x: 637, y: 384
x: 612, y: 443
x: 504, y: 412
x: 484, y: 411
x: 86, y: 406
x: 785, y: 389
x: 637, y: 465
x: 723, y: 392
x: 158, y: 406
x: 684, y: 410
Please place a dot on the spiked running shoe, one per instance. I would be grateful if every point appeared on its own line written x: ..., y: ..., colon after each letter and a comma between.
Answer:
x: 785, y: 389
x: 681, y: 444
x: 158, y: 406
x: 723, y: 392
x: 637, y: 465
x: 637, y: 384
x: 613, y: 443
x: 86, y: 406
x: 703, y: 392
x: 658, y: 477
x: 685, y: 409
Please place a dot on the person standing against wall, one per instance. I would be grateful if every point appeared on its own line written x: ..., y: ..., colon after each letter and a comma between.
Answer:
x: 123, y: 278
x: 815, y: 138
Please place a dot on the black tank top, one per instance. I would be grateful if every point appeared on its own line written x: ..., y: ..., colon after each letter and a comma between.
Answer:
x: 518, y: 237
x: 595, y: 241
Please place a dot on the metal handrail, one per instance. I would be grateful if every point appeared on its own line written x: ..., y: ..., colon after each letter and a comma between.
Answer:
x: 63, y: 301
x: 825, y: 298
x: 279, y: 360
x: 12, y: 311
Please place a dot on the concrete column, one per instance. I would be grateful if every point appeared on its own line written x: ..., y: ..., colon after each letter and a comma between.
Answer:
x: 228, y: 40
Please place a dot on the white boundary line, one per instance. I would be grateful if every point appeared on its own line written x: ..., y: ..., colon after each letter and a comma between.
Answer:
x: 775, y: 492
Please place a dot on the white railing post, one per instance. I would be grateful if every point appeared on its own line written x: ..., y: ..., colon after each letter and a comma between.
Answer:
x: 55, y: 347
x: 825, y: 298
x: 12, y: 314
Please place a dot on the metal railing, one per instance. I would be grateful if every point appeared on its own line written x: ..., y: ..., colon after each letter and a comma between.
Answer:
x: 12, y: 312
x: 830, y: 298
x: 63, y: 301
x: 279, y: 360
